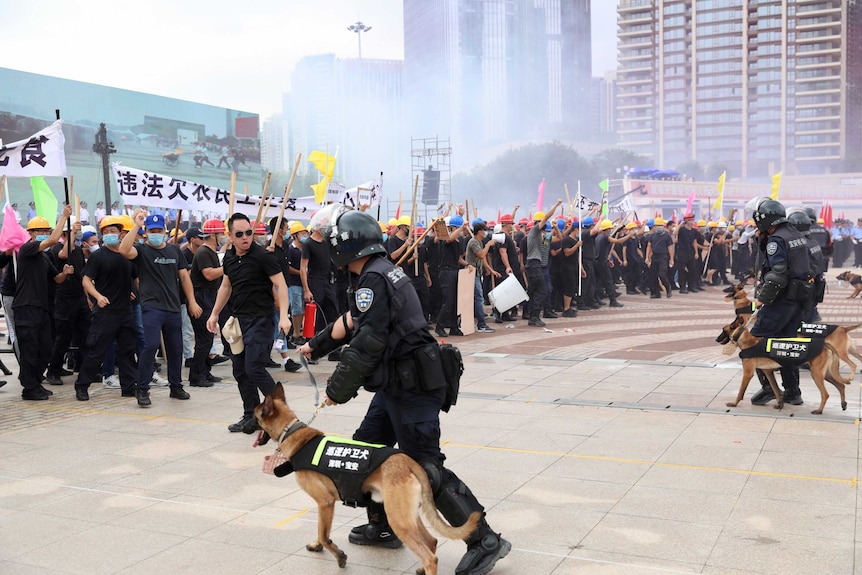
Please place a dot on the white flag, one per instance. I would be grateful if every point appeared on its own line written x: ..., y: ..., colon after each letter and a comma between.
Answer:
x: 42, y: 154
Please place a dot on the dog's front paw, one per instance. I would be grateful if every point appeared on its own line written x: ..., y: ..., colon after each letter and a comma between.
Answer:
x: 342, y: 559
x: 732, y: 403
x: 316, y: 547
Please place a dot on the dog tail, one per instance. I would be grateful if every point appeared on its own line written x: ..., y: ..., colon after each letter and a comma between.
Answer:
x: 852, y: 327
x: 435, y: 521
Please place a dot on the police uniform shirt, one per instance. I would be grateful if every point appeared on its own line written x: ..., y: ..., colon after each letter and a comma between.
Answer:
x: 294, y: 260
x: 249, y: 277
x: 204, y: 258
x: 35, y: 272
x: 113, y: 276
x: 317, y: 254
x: 159, y: 273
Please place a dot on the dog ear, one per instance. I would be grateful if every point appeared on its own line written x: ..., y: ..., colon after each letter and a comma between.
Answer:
x: 278, y: 393
x: 268, y: 408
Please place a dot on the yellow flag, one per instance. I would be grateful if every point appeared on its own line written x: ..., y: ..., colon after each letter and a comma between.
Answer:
x: 320, y: 190
x: 324, y: 163
x: 720, y: 186
x: 776, y: 184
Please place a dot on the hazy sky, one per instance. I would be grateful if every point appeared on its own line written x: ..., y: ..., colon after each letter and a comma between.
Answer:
x: 223, y: 52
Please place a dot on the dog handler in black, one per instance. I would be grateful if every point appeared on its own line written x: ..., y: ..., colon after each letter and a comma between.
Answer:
x: 250, y: 272
x: 392, y: 353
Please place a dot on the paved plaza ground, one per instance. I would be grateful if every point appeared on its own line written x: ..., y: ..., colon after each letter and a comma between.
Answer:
x: 601, y: 445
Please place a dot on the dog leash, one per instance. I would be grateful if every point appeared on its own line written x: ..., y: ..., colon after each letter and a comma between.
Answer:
x: 320, y: 404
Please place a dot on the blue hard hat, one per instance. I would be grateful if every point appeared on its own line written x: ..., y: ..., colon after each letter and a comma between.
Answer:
x: 456, y: 222
x: 650, y: 222
x: 561, y: 225
x: 478, y: 221
x: 588, y: 222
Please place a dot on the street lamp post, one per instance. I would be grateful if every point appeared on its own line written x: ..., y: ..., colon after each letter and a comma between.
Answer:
x: 104, y: 148
x: 359, y: 28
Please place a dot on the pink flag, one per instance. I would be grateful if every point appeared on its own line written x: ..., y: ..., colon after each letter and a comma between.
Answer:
x: 12, y: 235
x: 541, y: 196
x: 690, y: 204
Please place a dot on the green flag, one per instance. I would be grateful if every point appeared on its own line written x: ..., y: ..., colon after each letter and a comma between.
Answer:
x: 604, y: 186
x: 46, y: 201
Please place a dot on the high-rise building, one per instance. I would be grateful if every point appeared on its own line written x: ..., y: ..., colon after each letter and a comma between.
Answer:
x: 352, y: 108
x: 603, y: 126
x: 272, y: 144
x: 757, y: 86
x: 490, y: 72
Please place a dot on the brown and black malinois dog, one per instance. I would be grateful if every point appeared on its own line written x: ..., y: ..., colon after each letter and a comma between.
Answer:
x: 824, y: 365
x: 855, y: 281
x: 399, y: 481
x: 741, y: 303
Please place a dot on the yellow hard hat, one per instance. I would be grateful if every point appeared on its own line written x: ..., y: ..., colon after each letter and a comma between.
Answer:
x: 392, y: 222
x: 538, y: 216
x: 713, y: 224
x: 383, y: 227
x: 630, y: 225
x: 606, y: 224
x: 659, y: 221
x: 111, y: 221
x: 731, y: 227
x: 296, y: 227
x: 39, y: 223
x: 722, y: 219
x: 821, y: 221
x: 127, y: 222
x: 701, y: 223
x: 403, y: 221
x: 739, y: 222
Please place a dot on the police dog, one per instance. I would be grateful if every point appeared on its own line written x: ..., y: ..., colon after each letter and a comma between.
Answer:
x: 824, y: 366
x: 741, y: 303
x: 399, y: 481
x: 855, y: 281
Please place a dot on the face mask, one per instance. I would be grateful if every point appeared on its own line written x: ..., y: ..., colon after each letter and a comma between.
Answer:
x: 548, y: 236
x: 385, y: 237
x: 221, y: 240
x: 42, y: 237
x: 286, y: 237
x: 155, y: 239
x: 78, y: 243
x: 303, y: 239
x: 94, y: 248
x: 110, y: 240
x: 261, y: 241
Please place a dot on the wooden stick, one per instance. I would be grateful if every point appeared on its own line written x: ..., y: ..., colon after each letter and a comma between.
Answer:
x: 287, y: 190
x: 475, y: 209
x: 514, y: 212
x: 232, y: 194
x: 177, y: 227
x: 413, y: 222
x: 77, y: 201
x: 263, y: 198
x: 412, y: 247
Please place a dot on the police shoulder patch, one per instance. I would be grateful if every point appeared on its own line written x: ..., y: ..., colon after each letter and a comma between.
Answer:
x: 771, y: 248
x: 364, y: 299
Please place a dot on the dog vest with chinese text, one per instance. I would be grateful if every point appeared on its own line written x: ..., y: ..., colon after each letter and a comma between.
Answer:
x: 817, y: 329
x: 785, y: 350
x: 345, y: 461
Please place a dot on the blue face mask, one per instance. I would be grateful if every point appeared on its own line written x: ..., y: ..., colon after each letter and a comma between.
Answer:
x: 385, y: 237
x: 303, y: 239
x: 111, y: 239
x: 286, y: 237
x: 155, y: 239
x: 548, y: 236
x: 42, y: 237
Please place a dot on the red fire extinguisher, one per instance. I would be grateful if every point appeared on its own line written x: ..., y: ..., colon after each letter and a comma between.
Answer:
x: 308, y: 322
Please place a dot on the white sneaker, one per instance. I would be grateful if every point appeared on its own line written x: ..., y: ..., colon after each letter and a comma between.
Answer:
x: 159, y: 381
x: 111, y: 382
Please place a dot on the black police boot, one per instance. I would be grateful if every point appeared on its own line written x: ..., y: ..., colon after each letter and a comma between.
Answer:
x: 377, y: 531
x: 765, y: 394
x: 790, y: 380
x: 484, y: 549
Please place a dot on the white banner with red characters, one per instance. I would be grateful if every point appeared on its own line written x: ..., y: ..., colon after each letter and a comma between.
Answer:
x: 42, y: 154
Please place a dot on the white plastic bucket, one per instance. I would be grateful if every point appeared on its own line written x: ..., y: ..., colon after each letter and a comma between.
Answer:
x: 507, y: 294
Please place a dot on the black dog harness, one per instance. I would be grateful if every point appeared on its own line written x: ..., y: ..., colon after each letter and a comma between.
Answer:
x: 786, y: 350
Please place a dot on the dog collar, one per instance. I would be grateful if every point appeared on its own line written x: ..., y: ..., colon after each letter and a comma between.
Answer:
x: 290, y: 429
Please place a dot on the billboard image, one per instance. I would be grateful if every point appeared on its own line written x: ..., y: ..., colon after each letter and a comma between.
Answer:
x: 175, y: 138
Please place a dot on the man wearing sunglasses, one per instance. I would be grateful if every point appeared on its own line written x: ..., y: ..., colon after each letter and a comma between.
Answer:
x: 162, y: 270
x: 250, y: 274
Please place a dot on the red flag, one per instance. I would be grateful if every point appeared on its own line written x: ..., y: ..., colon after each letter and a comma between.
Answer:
x: 827, y: 221
x: 823, y: 209
x: 398, y: 212
x: 541, y: 196
x: 498, y: 214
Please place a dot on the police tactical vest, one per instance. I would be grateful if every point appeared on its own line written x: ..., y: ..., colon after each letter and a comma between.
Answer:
x: 819, y: 235
x: 798, y: 263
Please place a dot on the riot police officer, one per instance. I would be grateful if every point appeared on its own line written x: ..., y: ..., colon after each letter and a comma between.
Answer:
x: 797, y: 218
x: 821, y: 236
x: 786, y: 288
x: 392, y: 354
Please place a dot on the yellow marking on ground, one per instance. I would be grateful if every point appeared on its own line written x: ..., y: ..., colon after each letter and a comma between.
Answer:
x: 291, y: 518
x: 121, y: 414
x: 851, y: 482
x: 531, y: 400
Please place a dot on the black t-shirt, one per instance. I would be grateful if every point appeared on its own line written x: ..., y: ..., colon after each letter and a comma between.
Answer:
x: 35, y: 270
x: 588, y: 245
x: 71, y: 289
x: 187, y: 253
x: 568, y: 243
x: 449, y: 254
x: 249, y: 277
x: 159, y: 273
x: 281, y: 256
x: 294, y: 258
x: 660, y: 243
x: 685, y: 239
x: 603, y: 247
x: 555, y: 260
x: 317, y: 254
x: 112, y: 274
x: 204, y: 258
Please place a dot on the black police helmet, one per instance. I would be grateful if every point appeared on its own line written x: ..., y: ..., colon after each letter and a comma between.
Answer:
x: 351, y: 235
x: 811, y: 215
x: 769, y: 213
x: 797, y: 218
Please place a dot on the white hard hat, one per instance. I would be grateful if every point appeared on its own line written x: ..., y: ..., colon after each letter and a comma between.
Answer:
x: 86, y: 229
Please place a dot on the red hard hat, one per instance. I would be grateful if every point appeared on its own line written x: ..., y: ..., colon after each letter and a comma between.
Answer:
x: 260, y: 229
x: 213, y: 226
x: 507, y: 219
x: 523, y: 221
x: 492, y: 223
